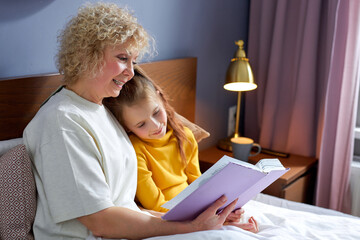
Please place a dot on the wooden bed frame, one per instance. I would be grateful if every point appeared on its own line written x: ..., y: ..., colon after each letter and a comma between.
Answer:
x: 20, y: 98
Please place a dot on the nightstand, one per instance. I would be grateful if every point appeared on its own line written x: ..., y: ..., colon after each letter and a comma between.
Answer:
x: 298, y: 184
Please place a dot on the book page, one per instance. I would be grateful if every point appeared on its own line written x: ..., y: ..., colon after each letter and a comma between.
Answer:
x: 205, y: 177
x: 270, y: 164
x: 245, y: 164
x: 197, y: 183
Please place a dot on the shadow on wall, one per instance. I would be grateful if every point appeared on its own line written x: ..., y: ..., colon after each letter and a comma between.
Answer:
x: 11, y: 10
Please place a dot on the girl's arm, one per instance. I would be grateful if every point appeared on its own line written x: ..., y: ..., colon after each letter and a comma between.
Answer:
x: 192, y: 169
x: 119, y: 222
x: 148, y: 193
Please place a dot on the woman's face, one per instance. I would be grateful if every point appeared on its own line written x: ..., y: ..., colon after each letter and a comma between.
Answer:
x: 147, y: 119
x: 118, y: 68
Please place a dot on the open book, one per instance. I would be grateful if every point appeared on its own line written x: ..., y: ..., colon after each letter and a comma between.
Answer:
x: 228, y: 176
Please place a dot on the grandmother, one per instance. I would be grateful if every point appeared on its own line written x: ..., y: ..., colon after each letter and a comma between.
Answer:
x: 84, y: 164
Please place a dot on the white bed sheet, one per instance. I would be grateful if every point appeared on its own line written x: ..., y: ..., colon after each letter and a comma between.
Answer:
x: 282, y: 219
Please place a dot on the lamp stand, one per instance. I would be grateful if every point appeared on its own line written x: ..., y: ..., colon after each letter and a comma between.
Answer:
x: 225, y: 144
x: 236, y: 134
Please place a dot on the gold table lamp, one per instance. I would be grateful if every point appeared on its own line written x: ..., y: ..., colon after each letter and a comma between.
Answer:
x: 239, y: 78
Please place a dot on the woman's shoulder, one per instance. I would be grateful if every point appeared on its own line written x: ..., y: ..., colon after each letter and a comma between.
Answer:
x: 59, y: 110
x: 57, y: 106
x: 68, y: 103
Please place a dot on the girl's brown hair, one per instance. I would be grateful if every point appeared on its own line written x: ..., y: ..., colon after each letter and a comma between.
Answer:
x: 141, y: 87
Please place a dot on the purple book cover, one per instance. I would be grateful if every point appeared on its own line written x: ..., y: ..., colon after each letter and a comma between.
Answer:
x: 233, y: 181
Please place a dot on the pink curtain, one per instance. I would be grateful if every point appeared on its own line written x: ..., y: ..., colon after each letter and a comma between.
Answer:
x: 304, y: 55
x: 336, y: 148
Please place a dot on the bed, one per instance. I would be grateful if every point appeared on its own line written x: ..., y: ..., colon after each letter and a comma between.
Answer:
x: 20, y: 99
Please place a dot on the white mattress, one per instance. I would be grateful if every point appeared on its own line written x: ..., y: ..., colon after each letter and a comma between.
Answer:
x: 282, y: 219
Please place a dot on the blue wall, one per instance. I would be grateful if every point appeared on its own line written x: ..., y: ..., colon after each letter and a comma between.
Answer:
x: 205, y: 29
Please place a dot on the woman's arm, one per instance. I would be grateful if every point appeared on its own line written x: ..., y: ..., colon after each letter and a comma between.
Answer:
x: 152, y: 212
x: 119, y: 222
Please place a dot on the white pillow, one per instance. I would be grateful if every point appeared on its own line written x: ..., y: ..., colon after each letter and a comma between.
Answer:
x: 6, y: 145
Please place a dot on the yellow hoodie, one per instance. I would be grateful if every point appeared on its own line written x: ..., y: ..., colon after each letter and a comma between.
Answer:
x: 161, y: 173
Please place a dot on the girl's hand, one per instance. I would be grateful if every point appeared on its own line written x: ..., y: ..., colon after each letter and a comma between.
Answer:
x: 235, y: 216
x: 209, y: 220
x: 251, y: 226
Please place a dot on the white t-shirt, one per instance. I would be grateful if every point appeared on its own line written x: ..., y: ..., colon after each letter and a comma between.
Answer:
x: 83, y: 163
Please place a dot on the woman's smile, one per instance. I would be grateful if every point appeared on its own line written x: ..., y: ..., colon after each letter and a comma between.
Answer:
x: 119, y: 83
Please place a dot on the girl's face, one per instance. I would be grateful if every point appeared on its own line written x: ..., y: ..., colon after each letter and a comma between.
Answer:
x: 118, y: 68
x: 147, y: 119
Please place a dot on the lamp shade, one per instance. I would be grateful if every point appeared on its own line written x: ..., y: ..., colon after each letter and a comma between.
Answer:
x: 239, y: 76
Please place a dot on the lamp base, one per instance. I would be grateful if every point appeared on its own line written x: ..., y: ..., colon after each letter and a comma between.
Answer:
x: 225, y: 144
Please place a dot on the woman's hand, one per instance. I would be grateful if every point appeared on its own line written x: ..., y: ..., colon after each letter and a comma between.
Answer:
x: 209, y: 220
x: 251, y: 226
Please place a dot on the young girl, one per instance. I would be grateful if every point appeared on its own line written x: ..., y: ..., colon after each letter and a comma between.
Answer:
x: 167, y: 152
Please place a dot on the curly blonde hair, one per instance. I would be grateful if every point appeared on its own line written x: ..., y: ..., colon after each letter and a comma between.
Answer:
x: 84, y: 38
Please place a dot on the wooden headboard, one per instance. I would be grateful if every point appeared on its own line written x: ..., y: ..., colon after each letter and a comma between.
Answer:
x: 20, y: 98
